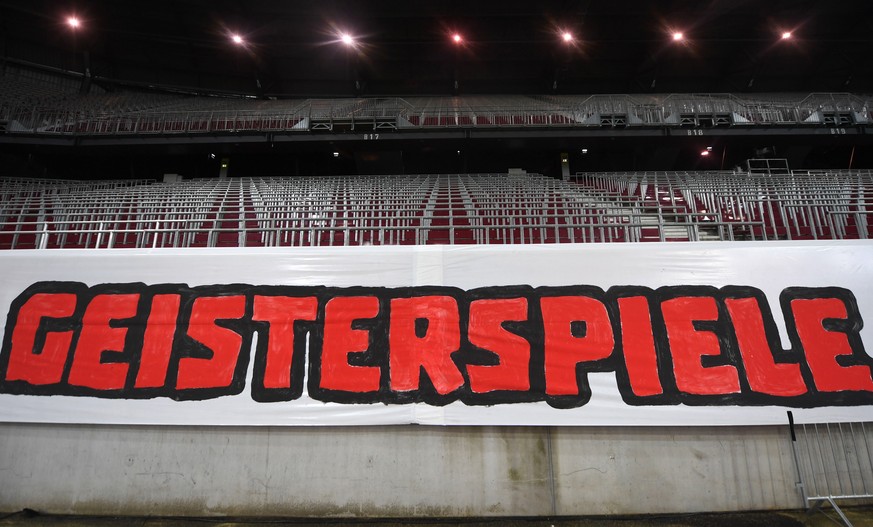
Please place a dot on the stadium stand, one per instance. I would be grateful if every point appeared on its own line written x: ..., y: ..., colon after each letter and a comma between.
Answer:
x: 31, y: 109
x: 401, y: 137
x: 438, y: 209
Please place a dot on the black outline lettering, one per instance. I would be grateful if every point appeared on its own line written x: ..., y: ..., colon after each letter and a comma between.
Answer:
x: 378, y: 351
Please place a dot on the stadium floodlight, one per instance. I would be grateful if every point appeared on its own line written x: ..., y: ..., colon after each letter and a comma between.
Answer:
x: 678, y: 36
x: 567, y: 36
x: 786, y: 35
x: 74, y: 22
x: 237, y: 39
x: 347, y: 39
x: 457, y: 38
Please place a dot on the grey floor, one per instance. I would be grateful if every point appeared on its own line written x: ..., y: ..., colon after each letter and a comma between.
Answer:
x: 859, y: 516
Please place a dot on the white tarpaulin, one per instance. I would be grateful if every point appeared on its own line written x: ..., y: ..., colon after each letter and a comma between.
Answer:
x: 619, y: 334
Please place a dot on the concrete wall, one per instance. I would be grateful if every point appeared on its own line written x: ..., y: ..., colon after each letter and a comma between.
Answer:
x: 393, y: 471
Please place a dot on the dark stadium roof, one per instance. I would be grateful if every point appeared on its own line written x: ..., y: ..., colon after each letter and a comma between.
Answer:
x: 622, y: 46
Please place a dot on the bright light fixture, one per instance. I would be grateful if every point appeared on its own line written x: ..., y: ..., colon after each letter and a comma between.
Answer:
x: 705, y: 152
x: 237, y: 39
x: 457, y: 38
x: 347, y: 39
x: 678, y: 36
x: 74, y: 22
x: 786, y: 35
x: 567, y: 36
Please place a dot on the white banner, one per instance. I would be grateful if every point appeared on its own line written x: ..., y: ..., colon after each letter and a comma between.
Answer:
x: 620, y: 334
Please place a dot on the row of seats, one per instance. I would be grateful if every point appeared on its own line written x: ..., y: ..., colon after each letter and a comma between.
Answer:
x: 19, y: 87
x: 435, y: 209
x: 428, y: 209
x: 794, y: 205
x: 33, y: 107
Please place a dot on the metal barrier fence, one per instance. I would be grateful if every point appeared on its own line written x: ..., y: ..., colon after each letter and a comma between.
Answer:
x: 781, y: 206
x: 834, y: 461
x: 111, y: 115
x: 436, y: 209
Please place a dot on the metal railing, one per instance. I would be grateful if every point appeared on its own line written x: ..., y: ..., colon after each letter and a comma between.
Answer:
x: 436, y: 209
x: 834, y: 461
x: 794, y: 205
x: 111, y: 114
